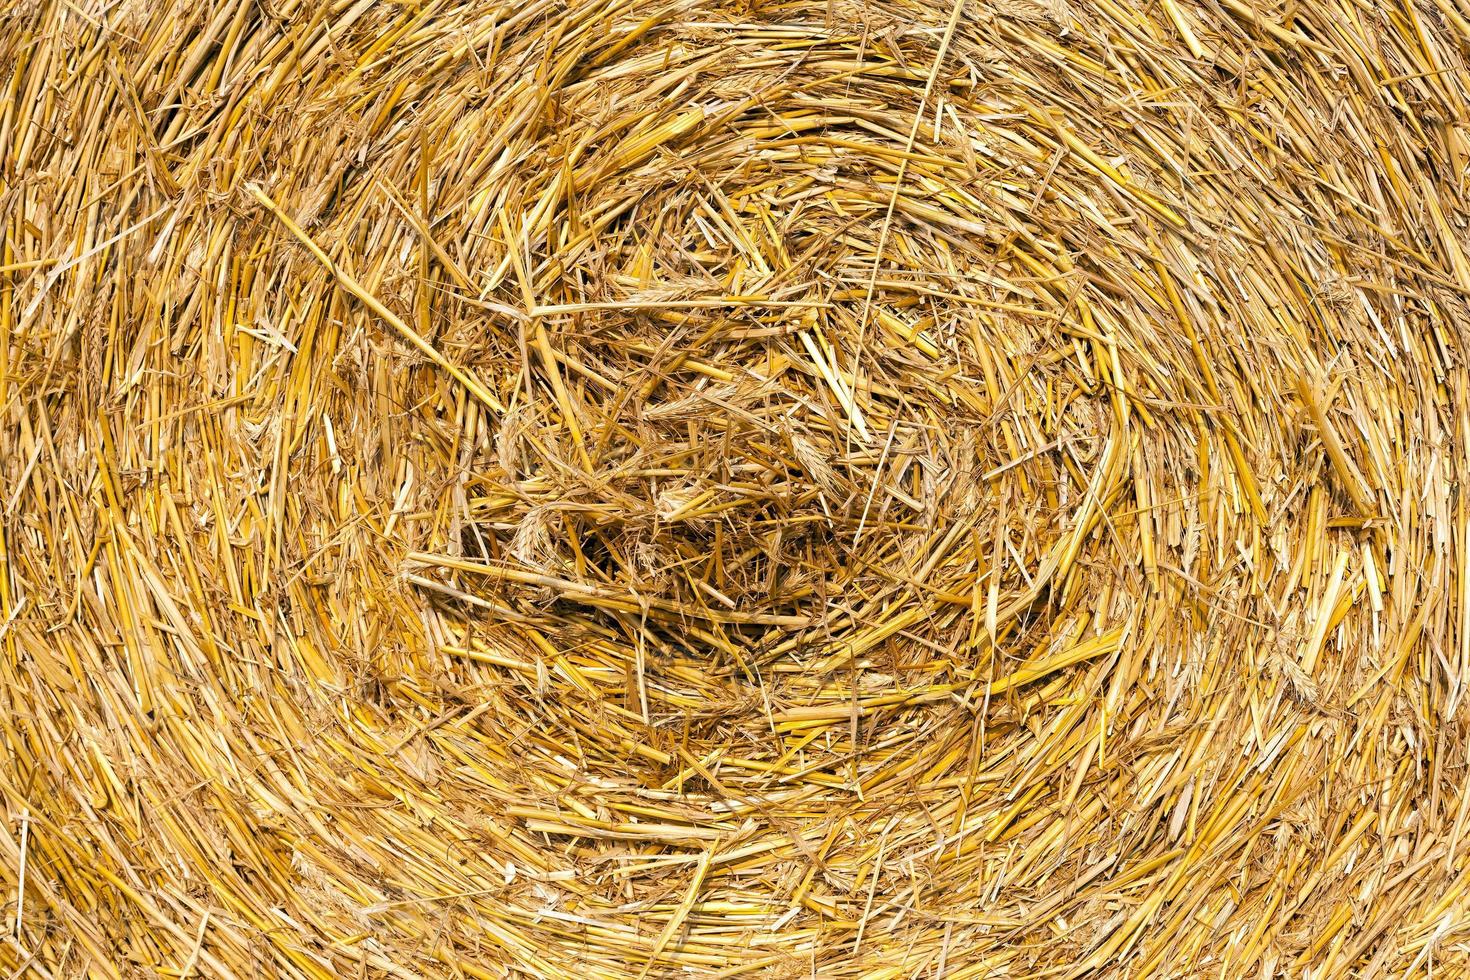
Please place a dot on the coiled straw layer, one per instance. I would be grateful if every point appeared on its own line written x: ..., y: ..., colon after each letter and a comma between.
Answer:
x: 601, y: 490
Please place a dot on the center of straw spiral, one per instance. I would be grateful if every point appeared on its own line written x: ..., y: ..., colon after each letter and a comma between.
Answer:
x: 780, y: 413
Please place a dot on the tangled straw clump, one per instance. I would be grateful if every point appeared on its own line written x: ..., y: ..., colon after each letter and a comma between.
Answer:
x: 755, y: 489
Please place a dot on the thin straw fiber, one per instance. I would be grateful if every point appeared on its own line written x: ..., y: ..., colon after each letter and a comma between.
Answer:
x: 719, y: 488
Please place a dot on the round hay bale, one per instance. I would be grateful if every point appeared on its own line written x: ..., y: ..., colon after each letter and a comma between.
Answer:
x: 885, y: 489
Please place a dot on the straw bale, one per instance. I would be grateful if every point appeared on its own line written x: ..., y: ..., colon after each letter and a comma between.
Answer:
x: 714, y: 488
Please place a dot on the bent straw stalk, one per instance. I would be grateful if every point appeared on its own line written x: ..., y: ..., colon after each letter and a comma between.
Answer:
x: 600, y: 490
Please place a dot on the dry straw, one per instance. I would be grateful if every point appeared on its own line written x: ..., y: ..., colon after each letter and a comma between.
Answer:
x: 604, y: 490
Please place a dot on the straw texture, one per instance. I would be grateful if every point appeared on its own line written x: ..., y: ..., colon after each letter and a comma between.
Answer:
x: 603, y: 490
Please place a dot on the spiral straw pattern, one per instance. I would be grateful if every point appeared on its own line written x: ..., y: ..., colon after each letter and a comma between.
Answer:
x: 714, y: 489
